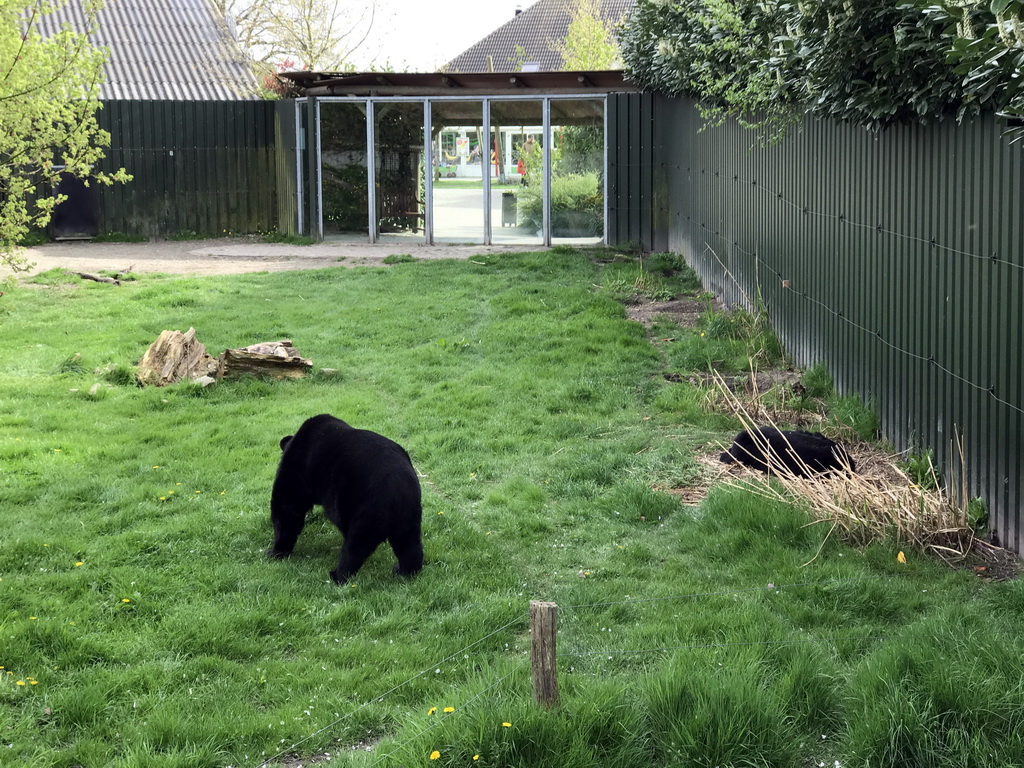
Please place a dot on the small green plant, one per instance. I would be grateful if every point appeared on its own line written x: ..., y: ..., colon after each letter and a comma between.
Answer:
x: 32, y: 238
x: 54, y: 277
x: 118, y: 237
x: 817, y: 381
x: 852, y: 413
x: 284, y: 237
x: 453, y: 344
x: 70, y: 364
x: 120, y: 375
x: 674, y: 265
x: 922, y: 470
x: 185, y: 234
x: 399, y: 258
x: 976, y: 514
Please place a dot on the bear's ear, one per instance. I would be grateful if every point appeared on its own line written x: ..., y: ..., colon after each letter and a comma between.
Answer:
x: 285, y: 440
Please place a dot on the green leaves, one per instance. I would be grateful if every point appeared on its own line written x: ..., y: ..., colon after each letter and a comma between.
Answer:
x: 874, y: 63
x: 49, y: 94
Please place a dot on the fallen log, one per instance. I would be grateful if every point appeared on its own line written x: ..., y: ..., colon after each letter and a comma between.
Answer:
x: 277, y: 359
x: 97, y: 278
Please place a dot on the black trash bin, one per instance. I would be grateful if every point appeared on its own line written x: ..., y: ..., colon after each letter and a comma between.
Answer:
x: 509, y: 209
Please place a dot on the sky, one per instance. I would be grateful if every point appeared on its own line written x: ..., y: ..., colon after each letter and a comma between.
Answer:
x: 421, y: 35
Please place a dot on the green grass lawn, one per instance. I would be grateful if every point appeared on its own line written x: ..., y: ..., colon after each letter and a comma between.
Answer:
x: 142, y: 625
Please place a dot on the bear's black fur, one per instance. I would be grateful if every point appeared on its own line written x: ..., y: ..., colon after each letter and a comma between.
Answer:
x: 775, y: 450
x: 366, y: 485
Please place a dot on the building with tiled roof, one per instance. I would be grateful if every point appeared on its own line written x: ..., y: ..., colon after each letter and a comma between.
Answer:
x: 529, y: 40
x: 163, y: 49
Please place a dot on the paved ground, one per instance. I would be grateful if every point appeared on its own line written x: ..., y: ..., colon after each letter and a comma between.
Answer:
x: 235, y: 255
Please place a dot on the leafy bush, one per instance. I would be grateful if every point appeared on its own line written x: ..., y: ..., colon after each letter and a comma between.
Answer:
x: 873, y: 62
x: 577, y: 206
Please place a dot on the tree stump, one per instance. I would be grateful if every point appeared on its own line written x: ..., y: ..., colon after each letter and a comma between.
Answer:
x: 174, y: 356
x: 277, y: 359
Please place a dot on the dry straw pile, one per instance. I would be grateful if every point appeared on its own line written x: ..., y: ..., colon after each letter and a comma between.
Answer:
x: 879, y: 501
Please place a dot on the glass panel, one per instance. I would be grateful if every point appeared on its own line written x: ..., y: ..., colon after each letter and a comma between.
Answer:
x: 343, y: 170
x: 577, y: 171
x: 398, y: 163
x: 516, y: 167
x: 458, y: 197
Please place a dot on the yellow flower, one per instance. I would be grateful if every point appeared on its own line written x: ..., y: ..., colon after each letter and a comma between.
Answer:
x: 33, y: 682
x: 156, y: 466
x: 21, y: 682
x: 163, y: 498
x: 449, y: 709
x: 125, y: 600
x: 31, y: 618
x: 78, y: 563
x: 902, y: 558
x: 432, y: 710
x: 476, y: 757
x: 506, y: 725
x: 434, y: 755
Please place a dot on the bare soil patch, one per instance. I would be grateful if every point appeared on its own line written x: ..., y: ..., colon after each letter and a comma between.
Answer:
x: 236, y: 255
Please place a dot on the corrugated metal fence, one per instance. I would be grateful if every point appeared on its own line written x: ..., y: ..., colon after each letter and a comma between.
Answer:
x: 206, y: 167
x: 897, y: 259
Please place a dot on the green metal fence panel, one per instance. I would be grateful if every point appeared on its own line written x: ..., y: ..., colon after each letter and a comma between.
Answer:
x: 203, y: 167
x: 895, y: 258
x: 287, y: 140
x: 631, y: 133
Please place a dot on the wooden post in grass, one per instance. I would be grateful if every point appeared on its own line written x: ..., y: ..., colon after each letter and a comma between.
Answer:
x: 543, y: 625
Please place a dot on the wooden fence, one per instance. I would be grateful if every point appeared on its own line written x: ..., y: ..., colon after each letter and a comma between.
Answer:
x: 202, y: 167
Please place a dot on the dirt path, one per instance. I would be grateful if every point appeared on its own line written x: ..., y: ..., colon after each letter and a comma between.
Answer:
x: 235, y: 255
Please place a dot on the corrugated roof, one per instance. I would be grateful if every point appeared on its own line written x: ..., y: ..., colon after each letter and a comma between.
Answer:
x: 530, y: 37
x: 453, y: 84
x: 164, y: 49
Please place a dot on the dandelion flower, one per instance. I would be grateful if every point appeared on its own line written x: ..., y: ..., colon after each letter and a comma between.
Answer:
x: 506, y: 725
x: 125, y: 600
x: 435, y: 755
x: 33, y: 682
x: 78, y: 563
x: 21, y: 682
x: 476, y: 757
x: 31, y: 618
x: 432, y: 710
x: 902, y: 558
x: 449, y: 709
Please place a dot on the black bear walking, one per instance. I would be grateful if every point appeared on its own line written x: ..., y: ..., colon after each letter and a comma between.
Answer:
x: 800, y: 453
x: 366, y: 485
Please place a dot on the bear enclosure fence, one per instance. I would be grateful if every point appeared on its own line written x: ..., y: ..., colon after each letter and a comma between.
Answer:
x: 201, y: 168
x: 895, y: 258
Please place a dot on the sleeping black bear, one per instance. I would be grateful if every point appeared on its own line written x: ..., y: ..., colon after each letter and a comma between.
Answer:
x: 366, y: 485
x: 776, y: 450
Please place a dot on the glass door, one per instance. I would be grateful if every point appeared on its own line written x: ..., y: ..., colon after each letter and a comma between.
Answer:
x: 398, y: 171
x: 459, y: 164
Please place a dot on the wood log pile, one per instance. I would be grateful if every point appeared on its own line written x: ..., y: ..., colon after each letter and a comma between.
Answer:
x: 177, y: 356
